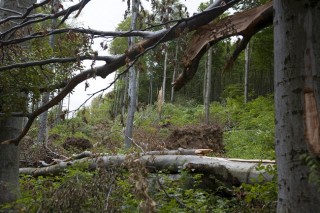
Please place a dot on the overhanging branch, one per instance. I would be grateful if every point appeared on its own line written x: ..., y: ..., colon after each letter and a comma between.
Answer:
x: 64, y: 13
x: 182, y: 27
x: 246, y: 24
x: 54, y: 60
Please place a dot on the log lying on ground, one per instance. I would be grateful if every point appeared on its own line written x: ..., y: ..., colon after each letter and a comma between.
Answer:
x: 229, y: 171
x: 179, y: 151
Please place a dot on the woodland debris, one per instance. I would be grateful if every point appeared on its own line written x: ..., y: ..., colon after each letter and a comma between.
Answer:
x: 229, y: 171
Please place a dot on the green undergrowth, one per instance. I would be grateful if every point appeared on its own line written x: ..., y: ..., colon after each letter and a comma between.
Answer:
x: 137, y: 190
x: 248, y: 129
x: 248, y: 133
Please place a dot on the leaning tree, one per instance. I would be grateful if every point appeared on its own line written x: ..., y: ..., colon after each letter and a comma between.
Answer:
x: 297, y: 86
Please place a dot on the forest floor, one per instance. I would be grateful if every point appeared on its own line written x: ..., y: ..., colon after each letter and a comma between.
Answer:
x: 237, y: 131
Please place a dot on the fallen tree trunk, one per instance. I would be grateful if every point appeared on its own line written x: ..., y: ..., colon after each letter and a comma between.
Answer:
x: 229, y: 171
x: 162, y: 152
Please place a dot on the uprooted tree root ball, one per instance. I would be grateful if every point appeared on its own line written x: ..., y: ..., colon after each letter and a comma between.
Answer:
x: 193, y: 137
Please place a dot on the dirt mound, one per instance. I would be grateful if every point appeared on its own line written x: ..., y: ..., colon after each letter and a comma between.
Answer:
x: 77, y: 143
x: 196, y: 137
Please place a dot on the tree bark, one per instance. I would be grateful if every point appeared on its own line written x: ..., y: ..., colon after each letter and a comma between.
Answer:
x: 232, y: 172
x: 174, y: 71
x: 132, y: 90
x: 43, y: 120
x: 246, y: 72
x: 246, y: 23
x: 164, y: 80
x: 204, y: 80
x: 297, y: 86
x: 10, y: 127
x: 150, y: 98
x: 9, y: 160
x: 208, y: 87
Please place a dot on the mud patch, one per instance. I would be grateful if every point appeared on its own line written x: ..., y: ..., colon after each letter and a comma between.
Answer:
x: 196, y: 137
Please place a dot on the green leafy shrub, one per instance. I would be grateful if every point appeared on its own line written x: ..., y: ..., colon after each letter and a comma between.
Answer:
x: 313, y: 164
x: 77, y: 190
x: 250, y: 128
x: 262, y: 196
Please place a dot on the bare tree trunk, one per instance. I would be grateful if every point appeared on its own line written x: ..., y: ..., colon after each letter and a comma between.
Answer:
x: 9, y: 160
x: 132, y: 90
x: 116, y: 101
x: 174, y: 72
x: 246, y: 72
x: 165, y: 73
x: 10, y: 127
x: 151, y: 89
x: 43, y: 120
x: 68, y: 107
x: 124, y: 97
x: 137, y: 86
x: 208, y: 87
x: 59, y: 112
x: 205, y: 80
x: 297, y: 86
x: 43, y: 128
x: 230, y: 171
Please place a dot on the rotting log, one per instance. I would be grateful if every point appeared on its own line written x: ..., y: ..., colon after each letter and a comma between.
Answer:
x: 229, y: 171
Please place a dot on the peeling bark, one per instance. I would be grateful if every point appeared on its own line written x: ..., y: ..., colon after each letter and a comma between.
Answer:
x: 297, y: 71
x: 246, y: 23
x: 312, y: 123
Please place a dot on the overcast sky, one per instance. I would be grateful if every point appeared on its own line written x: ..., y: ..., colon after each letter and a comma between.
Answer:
x: 105, y: 15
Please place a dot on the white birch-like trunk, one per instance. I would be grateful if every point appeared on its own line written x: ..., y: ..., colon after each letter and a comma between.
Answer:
x: 137, y: 86
x: 59, y: 112
x: 246, y: 72
x: 208, y: 85
x: 43, y: 118
x: 151, y: 90
x: 208, y: 88
x: 205, y: 80
x: 297, y: 86
x: 124, y: 97
x: 164, y: 73
x: 174, y: 72
x: 132, y: 90
x: 116, y: 97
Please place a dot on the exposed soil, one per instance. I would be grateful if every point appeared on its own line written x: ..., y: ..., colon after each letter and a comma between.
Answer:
x: 77, y: 143
x: 196, y: 137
